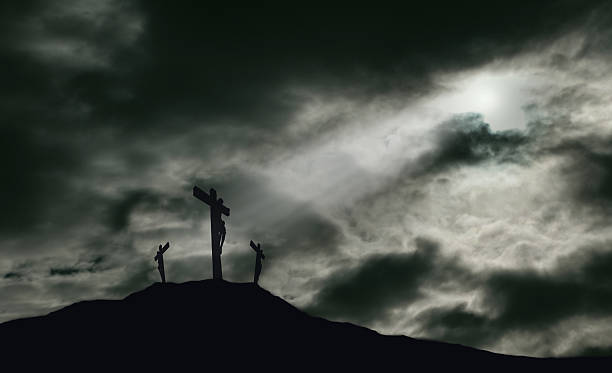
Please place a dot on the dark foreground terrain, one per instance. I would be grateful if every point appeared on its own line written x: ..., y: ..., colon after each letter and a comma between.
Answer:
x: 221, y: 326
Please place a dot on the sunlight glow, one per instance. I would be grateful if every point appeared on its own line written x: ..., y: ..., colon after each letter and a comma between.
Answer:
x: 498, y: 96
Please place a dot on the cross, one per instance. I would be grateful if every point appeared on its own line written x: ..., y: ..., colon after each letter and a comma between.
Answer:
x: 217, y: 227
x: 258, y: 258
x: 159, y: 258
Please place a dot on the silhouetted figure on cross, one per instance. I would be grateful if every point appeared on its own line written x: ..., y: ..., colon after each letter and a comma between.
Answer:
x: 159, y: 258
x: 260, y: 256
x: 217, y: 226
x: 222, y: 233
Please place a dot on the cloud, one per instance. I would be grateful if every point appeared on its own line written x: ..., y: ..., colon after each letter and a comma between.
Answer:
x: 285, y: 225
x: 588, y: 169
x: 528, y: 301
x: 119, y: 214
x: 457, y: 324
x: 379, y: 283
x: 12, y: 275
x: 244, y: 62
x: 569, y: 127
x: 467, y: 140
x: 241, y: 66
x: 95, y: 265
x: 34, y: 169
x: 595, y: 351
x: 113, y: 110
x: 66, y: 271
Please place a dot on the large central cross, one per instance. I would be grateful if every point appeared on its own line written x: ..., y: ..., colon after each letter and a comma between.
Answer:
x: 216, y: 226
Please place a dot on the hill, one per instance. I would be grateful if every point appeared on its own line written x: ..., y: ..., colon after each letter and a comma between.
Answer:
x: 212, y: 324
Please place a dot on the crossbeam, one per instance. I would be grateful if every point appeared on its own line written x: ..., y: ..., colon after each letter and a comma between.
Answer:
x: 166, y: 246
x: 212, y: 202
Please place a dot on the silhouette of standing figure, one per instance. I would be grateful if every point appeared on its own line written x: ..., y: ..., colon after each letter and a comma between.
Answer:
x: 222, y: 233
x: 159, y: 258
x: 260, y: 256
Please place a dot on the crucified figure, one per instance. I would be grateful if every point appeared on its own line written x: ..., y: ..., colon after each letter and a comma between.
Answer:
x: 222, y: 232
x: 258, y: 258
x: 159, y: 258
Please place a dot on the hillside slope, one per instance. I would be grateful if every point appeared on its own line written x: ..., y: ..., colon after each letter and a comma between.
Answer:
x: 217, y: 324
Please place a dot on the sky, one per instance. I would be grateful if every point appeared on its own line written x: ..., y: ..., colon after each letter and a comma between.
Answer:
x: 441, y: 170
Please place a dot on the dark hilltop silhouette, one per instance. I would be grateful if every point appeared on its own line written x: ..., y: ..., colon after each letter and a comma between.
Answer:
x: 214, y: 325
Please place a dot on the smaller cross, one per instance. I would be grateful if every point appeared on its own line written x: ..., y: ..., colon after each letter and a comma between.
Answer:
x: 159, y: 258
x: 258, y: 259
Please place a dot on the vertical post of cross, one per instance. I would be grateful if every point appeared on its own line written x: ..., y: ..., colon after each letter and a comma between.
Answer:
x: 215, y: 221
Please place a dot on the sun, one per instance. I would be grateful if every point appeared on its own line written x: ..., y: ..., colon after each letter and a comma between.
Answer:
x: 498, y: 96
x: 483, y: 98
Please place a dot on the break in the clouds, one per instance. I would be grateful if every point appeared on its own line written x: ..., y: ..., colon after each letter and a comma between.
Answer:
x: 442, y: 172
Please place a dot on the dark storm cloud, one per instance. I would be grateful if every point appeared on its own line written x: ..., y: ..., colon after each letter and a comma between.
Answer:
x: 119, y: 212
x: 240, y: 59
x: 95, y: 265
x: 45, y: 136
x: 588, y: 169
x: 51, y: 53
x: 529, y: 300
x: 195, y: 65
x: 12, y: 275
x: 307, y: 234
x: 596, y: 351
x: 34, y: 169
x: 369, y: 291
x: 202, y: 61
x: 464, y: 140
x: 467, y: 140
x: 65, y: 271
x: 137, y: 203
x: 457, y: 325
x: 196, y: 61
x: 583, y: 149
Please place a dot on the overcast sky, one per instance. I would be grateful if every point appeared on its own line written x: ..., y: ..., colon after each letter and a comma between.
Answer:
x: 439, y: 171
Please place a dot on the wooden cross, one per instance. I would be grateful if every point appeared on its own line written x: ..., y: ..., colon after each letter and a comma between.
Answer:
x: 160, y: 261
x: 258, y: 258
x: 217, y: 230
